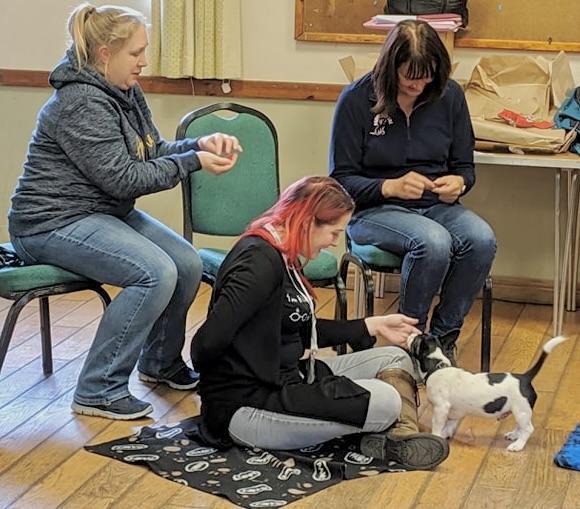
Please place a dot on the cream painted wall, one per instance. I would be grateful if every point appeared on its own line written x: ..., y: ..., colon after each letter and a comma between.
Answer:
x: 516, y: 201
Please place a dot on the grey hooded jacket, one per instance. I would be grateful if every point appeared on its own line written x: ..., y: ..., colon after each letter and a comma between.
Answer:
x: 95, y: 150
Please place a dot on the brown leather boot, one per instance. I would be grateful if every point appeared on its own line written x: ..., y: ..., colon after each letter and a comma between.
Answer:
x: 403, y: 443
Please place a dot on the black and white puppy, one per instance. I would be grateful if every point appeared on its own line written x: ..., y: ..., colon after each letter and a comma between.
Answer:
x: 454, y: 392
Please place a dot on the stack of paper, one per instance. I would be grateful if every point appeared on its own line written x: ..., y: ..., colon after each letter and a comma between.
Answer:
x: 440, y: 22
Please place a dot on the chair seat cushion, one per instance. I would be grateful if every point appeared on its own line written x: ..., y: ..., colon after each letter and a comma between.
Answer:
x: 376, y: 257
x: 14, y: 280
x: 323, y: 267
x: 212, y: 260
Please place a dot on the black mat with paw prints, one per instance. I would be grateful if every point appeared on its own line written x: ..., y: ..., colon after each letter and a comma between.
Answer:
x: 248, y: 477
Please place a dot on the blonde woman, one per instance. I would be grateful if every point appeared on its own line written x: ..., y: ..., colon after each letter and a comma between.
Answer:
x: 94, y: 151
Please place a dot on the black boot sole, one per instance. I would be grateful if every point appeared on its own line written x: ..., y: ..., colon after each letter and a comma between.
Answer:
x: 420, y: 451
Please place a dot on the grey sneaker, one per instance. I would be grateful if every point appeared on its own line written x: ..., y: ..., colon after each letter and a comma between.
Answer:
x: 123, y: 409
x: 185, y: 379
x: 419, y: 451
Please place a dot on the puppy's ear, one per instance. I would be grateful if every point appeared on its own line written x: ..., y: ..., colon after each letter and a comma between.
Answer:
x: 449, y: 338
x: 415, y: 345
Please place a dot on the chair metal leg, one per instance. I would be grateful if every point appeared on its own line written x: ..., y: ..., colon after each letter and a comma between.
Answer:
x: 342, y: 274
x: 486, y: 325
x: 343, y: 268
x: 45, y: 336
x: 380, y: 284
x: 369, y: 285
x: 104, y: 296
x: 9, y: 324
x: 367, y: 276
x: 340, y: 310
x: 45, y: 332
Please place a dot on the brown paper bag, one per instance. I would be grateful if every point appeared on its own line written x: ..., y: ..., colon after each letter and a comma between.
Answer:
x: 500, y: 137
x: 561, y: 81
x: 531, y: 86
x: 355, y: 67
x: 520, y: 84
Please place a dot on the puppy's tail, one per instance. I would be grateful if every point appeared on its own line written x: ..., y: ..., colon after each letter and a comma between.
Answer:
x: 547, y: 348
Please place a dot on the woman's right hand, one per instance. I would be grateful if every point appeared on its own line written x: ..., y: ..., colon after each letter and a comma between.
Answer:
x: 408, y: 187
x: 393, y: 329
x: 216, y: 164
x: 220, y: 144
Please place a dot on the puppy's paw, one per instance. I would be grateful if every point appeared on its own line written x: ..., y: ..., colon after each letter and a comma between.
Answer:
x: 450, y: 428
x: 447, y: 432
x: 438, y: 432
x: 516, y: 446
x: 512, y: 435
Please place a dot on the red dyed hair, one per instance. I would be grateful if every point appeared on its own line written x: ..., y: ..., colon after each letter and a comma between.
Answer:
x: 321, y: 199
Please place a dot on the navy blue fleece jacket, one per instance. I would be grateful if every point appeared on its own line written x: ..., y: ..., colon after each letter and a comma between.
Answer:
x: 366, y: 149
x: 95, y: 149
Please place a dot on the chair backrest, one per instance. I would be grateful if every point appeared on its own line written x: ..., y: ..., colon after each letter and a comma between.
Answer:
x: 226, y: 204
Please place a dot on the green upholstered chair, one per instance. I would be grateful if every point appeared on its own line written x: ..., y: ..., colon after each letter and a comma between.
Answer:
x: 224, y: 205
x: 28, y: 282
x: 369, y: 259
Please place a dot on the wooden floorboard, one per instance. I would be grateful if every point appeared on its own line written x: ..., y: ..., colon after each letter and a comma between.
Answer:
x: 43, y: 463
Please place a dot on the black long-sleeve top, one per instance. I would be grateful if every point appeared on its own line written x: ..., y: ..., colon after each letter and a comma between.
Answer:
x: 237, y: 351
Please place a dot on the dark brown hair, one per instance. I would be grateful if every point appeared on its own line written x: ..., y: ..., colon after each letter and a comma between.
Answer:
x: 417, y: 44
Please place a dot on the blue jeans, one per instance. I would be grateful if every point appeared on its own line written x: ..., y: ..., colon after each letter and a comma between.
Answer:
x: 254, y: 427
x: 159, y: 272
x: 444, y: 247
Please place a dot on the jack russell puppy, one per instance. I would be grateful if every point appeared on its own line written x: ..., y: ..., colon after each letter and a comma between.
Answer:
x: 454, y: 392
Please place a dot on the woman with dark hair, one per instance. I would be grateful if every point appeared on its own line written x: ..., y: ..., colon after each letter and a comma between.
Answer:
x: 402, y: 146
x: 255, y: 390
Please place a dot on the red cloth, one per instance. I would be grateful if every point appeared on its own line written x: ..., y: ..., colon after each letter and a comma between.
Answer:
x: 519, y: 120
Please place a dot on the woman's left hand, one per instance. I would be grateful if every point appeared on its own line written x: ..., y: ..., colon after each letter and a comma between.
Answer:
x: 394, y: 329
x: 448, y: 187
x: 220, y: 144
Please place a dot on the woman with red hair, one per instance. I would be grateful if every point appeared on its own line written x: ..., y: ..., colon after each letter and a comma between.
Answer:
x: 255, y: 389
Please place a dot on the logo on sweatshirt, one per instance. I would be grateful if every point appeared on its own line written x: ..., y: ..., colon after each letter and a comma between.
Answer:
x: 141, y: 152
x: 380, y: 123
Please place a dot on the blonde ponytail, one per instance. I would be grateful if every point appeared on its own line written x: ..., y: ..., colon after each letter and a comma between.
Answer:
x: 76, y: 29
x: 91, y: 27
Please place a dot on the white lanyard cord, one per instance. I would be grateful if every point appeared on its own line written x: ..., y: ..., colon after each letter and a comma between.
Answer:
x: 301, y: 289
x: 299, y: 286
